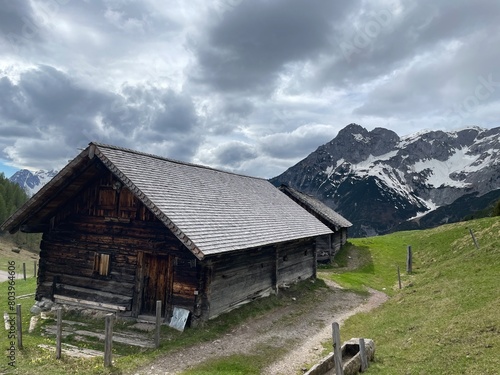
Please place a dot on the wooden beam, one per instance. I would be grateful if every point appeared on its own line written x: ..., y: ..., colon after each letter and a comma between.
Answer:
x: 139, y: 285
x: 34, y: 228
x: 89, y: 304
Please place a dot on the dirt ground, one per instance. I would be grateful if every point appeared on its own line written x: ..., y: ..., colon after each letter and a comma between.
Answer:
x: 305, y: 328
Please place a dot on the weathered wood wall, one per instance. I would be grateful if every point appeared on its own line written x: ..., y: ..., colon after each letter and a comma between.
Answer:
x: 104, y: 220
x: 296, y: 261
x: 324, y: 246
x: 242, y: 277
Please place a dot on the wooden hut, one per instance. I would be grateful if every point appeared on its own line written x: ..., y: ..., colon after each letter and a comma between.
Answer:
x: 123, y: 229
x: 328, y: 245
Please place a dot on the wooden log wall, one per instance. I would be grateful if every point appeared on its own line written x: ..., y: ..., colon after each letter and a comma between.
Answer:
x: 239, y: 278
x: 245, y: 276
x: 296, y: 261
x: 186, y: 282
x: 109, y: 220
x: 344, y: 236
x: 324, y: 246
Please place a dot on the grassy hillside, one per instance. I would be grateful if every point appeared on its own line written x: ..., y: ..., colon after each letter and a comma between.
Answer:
x: 446, y: 319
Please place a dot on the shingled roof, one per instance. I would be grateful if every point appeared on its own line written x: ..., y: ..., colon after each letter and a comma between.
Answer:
x: 209, y: 210
x: 318, y: 208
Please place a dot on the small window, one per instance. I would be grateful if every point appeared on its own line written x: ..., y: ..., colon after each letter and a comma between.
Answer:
x: 101, y: 264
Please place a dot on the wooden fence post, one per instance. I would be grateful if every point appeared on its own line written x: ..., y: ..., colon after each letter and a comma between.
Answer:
x: 34, y: 268
x: 19, y: 326
x: 337, y: 349
x: 474, y: 238
x: 362, y: 354
x: 58, y: 333
x: 108, y: 340
x: 409, y: 261
x: 399, y: 278
x: 158, y: 324
x: 24, y: 271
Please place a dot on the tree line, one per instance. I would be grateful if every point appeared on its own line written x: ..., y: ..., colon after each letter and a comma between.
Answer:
x: 12, y: 197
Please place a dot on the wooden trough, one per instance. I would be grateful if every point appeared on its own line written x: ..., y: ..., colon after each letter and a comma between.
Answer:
x: 351, y: 359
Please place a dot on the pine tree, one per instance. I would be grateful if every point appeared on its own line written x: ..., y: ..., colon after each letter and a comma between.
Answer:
x: 3, y: 210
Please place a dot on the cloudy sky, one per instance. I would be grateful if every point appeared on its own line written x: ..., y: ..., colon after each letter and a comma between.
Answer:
x: 251, y: 86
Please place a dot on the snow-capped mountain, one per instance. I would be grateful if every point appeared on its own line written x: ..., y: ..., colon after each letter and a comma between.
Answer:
x: 378, y: 180
x: 31, y: 182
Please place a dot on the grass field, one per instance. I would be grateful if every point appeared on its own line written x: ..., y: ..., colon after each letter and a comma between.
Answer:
x: 446, y: 319
x: 23, y: 256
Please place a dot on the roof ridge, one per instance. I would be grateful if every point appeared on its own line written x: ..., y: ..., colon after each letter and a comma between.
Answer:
x: 175, y: 161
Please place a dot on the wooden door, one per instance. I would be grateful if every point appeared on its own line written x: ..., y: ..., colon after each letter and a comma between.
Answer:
x: 158, y: 281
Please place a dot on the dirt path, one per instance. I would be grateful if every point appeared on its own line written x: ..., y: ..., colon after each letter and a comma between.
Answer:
x: 4, y: 276
x: 304, y: 330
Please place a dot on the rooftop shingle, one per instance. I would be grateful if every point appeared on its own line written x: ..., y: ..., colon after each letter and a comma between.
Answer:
x: 217, y: 211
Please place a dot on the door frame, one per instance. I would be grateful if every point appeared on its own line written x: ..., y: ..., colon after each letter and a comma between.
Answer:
x: 141, y: 284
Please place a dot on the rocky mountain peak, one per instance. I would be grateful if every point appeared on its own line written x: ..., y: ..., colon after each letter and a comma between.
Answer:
x: 30, y: 181
x: 377, y: 179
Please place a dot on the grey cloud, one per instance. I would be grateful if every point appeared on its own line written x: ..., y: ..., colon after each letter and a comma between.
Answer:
x: 234, y: 153
x: 48, y: 108
x: 56, y: 95
x: 378, y: 45
x: 437, y: 85
x: 254, y: 41
x: 240, y: 107
x: 17, y: 22
x: 177, y: 114
x: 299, y: 142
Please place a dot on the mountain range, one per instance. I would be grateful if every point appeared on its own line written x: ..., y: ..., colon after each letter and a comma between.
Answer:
x: 382, y: 182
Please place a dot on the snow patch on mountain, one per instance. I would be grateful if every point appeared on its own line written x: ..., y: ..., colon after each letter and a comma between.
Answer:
x: 360, y: 138
x: 441, y: 171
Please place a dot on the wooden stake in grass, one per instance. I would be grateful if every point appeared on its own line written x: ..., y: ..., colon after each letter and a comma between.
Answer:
x: 337, y: 349
x: 108, y: 341
x: 58, y: 333
x: 34, y: 268
x: 474, y: 238
x: 24, y: 271
x: 409, y: 260
x: 19, y: 326
x: 362, y: 354
x: 158, y: 324
x: 399, y: 278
